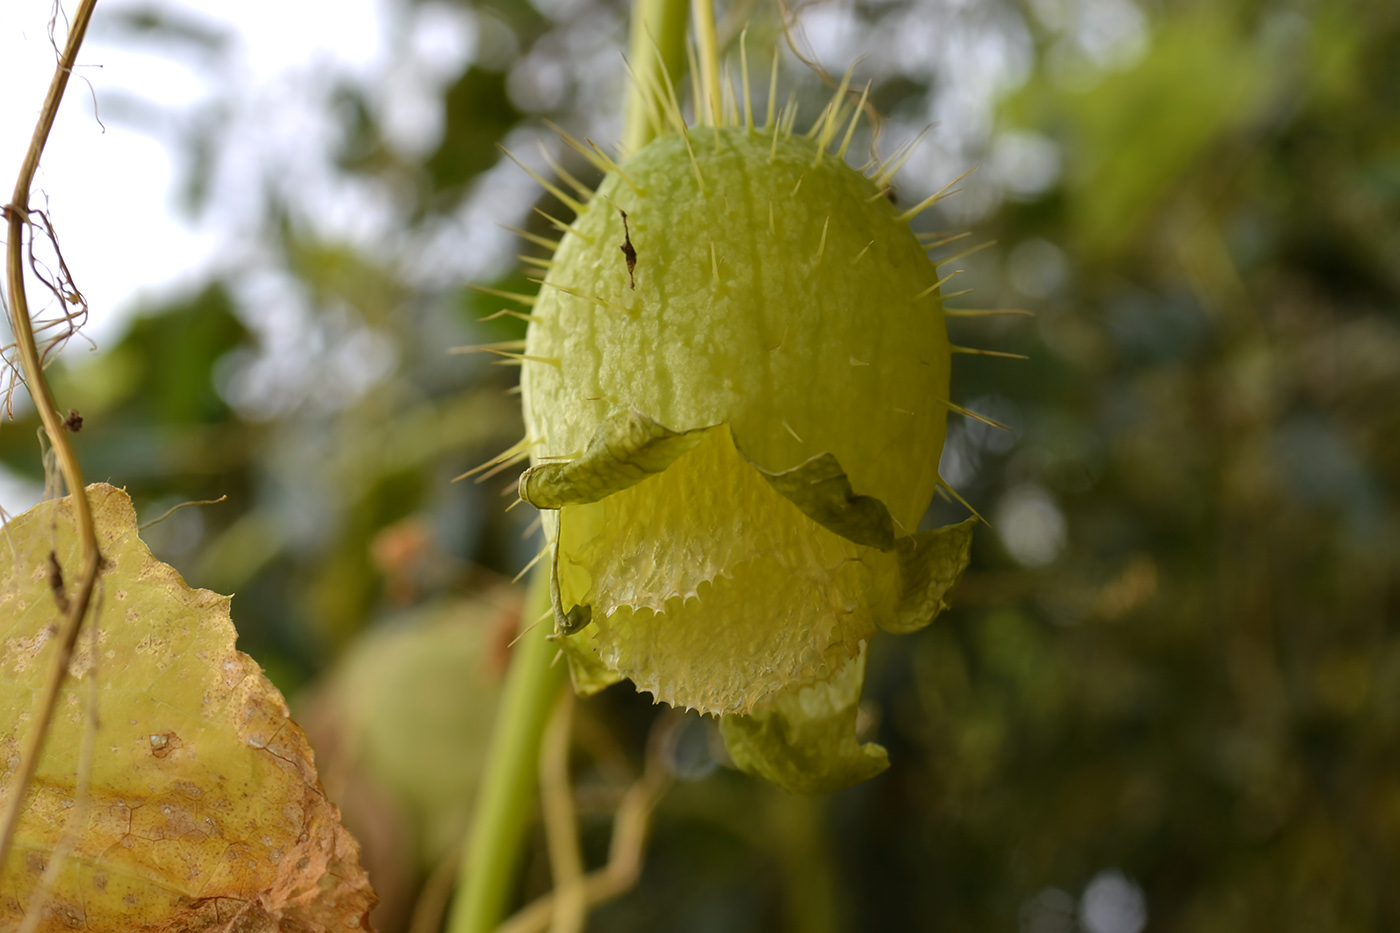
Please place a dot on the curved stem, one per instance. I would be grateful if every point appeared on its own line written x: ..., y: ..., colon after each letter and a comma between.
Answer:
x: 506, y: 796
x: 17, y: 216
x: 630, y: 826
x: 656, y: 50
x: 561, y: 821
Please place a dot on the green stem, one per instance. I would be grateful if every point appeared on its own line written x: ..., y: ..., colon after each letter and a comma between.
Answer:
x: 506, y: 797
x: 656, y: 51
x: 505, y: 800
x: 707, y: 39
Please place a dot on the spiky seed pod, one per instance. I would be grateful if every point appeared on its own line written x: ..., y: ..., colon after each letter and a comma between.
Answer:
x: 736, y: 381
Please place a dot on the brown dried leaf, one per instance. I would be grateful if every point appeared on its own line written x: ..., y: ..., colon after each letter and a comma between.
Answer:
x: 204, y: 811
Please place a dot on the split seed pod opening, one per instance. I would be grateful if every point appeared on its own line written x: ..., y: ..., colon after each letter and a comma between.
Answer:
x: 736, y: 379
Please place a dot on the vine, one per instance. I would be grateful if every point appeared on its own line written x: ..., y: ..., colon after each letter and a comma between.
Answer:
x: 74, y: 608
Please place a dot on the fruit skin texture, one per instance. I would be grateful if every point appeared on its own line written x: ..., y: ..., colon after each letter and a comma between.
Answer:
x: 740, y: 447
x: 792, y: 329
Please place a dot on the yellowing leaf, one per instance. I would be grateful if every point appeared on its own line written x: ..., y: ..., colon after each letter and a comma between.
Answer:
x: 204, y: 811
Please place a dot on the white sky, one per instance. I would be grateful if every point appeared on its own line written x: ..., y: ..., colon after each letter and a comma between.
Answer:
x: 110, y: 192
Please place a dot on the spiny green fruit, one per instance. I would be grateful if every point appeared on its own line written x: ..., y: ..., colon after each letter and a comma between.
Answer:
x: 736, y: 388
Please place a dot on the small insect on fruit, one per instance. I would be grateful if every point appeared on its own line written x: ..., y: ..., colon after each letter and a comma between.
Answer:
x: 628, y: 253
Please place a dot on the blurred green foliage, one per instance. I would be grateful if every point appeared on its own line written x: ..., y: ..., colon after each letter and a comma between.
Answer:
x: 1171, y: 680
x: 479, y: 114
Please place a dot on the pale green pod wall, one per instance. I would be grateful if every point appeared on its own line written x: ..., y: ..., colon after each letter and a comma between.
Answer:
x: 772, y: 293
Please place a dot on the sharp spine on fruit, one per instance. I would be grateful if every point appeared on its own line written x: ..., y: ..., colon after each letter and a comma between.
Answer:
x: 595, y: 156
x: 944, y: 487
x: 488, y: 347
x: 518, y: 449
x: 898, y: 158
x: 714, y: 260
x: 967, y: 252
x: 860, y: 255
x: 731, y: 99
x: 535, y: 238
x: 526, y: 300
x: 833, y: 114
x: 612, y: 166
x: 519, y: 359
x: 947, y: 191
x: 986, y: 312
x: 571, y: 203
x: 533, y: 527
x: 781, y: 340
x: 975, y: 416
x: 596, y: 299
x: 958, y: 294
x: 562, y: 227
x: 821, y: 244
x: 699, y: 178
x: 585, y: 193
x: 855, y: 119
x: 790, y: 114
x: 935, y: 244
x: 936, y: 285
x: 536, y: 261
x: 534, y: 560
x: 503, y: 465
x: 978, y: 352
x: 507, y: 312
x: 529, y: 628
x: 787, y: 427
